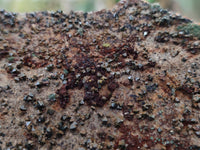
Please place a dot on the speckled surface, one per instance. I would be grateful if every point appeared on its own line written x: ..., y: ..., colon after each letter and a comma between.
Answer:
x: 124, y: 78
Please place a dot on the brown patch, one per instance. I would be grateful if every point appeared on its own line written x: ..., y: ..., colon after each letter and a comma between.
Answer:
x: 30, y: 62
x: 1, y: 116
x: 112, y: 85
x: 56, y: 106
x: 63, y: 96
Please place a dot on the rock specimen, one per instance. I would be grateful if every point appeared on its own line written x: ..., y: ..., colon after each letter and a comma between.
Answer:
x: 126, y: 78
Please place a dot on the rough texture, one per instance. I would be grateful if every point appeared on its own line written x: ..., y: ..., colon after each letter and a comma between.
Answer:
x: 124, y: 78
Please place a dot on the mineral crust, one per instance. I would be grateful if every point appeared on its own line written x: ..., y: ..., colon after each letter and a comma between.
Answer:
x: 125, y: 79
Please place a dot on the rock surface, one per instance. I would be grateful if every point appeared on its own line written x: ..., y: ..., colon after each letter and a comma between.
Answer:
x: 125, y: 78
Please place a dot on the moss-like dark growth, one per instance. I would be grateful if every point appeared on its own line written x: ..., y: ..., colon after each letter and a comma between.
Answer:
x: 193, y: 29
